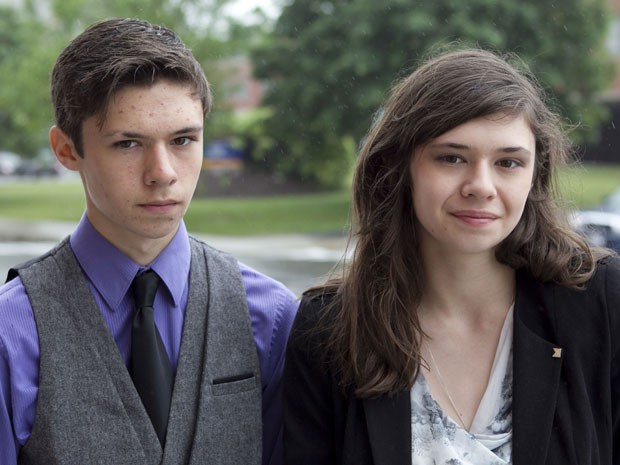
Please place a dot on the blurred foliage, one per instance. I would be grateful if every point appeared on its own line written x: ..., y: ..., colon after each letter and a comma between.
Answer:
x: 24, y: 74
x: 330, y: 64
x: 33, y: 34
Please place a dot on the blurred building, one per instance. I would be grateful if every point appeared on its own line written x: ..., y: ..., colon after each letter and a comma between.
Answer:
x: 241, y: 92
x: 240, y: 89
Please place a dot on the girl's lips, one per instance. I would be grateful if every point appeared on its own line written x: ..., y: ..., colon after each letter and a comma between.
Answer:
x: 475, y: 218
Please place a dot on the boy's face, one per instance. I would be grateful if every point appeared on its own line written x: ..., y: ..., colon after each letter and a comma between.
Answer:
x: 140, y: 168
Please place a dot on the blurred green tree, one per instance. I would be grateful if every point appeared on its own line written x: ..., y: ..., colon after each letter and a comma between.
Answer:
x: 330, y: 63
x: 33, y: 34
x: 24, y: 74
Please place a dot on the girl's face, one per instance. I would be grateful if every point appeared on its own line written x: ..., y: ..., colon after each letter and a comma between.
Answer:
x: 470, y: 184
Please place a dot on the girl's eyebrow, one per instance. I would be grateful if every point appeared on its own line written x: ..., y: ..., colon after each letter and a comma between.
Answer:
x: 457, y: 146
x: 452, y: 145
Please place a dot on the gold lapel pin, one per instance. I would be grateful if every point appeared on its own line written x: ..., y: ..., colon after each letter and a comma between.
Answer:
x: 557, y: 352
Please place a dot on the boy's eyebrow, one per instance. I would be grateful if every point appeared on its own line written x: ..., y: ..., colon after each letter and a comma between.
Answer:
x: 189, y: 130
x: 137, y: 135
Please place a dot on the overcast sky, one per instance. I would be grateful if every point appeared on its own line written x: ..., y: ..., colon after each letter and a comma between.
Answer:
x: 245, y: 7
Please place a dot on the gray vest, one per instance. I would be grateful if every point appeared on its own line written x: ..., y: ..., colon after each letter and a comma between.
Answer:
x: 88, y: 411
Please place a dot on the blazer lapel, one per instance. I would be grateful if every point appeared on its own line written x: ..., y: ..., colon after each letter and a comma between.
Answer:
x: 388, y: 420
x: 537, y: 366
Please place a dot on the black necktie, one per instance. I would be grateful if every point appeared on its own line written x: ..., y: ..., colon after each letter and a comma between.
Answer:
x: 150, y: 366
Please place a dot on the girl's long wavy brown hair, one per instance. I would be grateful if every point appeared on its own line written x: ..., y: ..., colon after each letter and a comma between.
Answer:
x: 375, y: 335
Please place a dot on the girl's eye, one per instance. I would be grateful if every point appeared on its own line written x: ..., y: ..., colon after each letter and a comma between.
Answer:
x: 452, y: 159
x: 509, y: 163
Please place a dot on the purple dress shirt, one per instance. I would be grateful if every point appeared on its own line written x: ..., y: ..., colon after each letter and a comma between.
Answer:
x: 272, y: 308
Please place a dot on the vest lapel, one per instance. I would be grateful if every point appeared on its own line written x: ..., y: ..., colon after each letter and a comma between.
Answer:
x: 215, y: 415
x: 186, y: 393
x: 537, y: 366
x: 388, y: 420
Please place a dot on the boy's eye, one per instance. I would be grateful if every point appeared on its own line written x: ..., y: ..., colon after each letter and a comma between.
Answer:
x: 182, y: 140
x: 125, y: 144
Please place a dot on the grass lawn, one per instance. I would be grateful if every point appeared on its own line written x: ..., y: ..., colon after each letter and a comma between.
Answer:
x: 315, y: 213
x: 309, y: 213
x: 586, y: 185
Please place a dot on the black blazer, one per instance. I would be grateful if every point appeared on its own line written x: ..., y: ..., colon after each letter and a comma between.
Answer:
x: 566, y: 387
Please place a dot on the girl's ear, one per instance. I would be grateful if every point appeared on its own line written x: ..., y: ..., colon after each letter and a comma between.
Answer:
x: 64, y: 149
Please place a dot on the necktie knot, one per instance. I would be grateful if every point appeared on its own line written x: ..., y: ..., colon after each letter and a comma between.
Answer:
x: 144, y: 288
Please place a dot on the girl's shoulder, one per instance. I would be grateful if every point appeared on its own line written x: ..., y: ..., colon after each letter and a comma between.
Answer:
x: 316, y: 309
x: 315, y: 316
x: 607, y: 275
x: 611, y: 267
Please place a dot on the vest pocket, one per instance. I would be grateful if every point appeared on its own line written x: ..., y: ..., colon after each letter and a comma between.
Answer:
x: 234, y: 384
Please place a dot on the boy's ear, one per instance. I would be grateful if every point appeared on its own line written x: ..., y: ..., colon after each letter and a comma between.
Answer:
x: 64, y: 149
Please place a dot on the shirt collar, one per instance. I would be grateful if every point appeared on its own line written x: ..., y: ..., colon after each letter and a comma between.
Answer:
x: 111, y: 272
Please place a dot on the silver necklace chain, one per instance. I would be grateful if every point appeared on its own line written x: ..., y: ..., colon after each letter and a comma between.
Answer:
x: 445, y: 390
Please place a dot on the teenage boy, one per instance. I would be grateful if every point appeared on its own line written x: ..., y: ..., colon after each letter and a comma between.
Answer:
x: 95, y: 369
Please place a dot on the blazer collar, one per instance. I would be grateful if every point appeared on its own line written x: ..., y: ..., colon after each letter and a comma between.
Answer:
x: 388, y: 420
x: 537, y: 364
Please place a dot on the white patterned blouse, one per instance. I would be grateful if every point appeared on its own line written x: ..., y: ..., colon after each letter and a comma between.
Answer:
x: 438, y: 440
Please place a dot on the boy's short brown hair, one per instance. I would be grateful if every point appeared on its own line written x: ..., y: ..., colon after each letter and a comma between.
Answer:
x: 110, y: 55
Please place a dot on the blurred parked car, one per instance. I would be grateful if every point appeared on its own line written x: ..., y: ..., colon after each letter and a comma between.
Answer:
x: 44, y: 164
x: 28, y: 167
x: 48, y: 165
x: 611, y: 203
x: 601, y: 228
x: 9, y: 163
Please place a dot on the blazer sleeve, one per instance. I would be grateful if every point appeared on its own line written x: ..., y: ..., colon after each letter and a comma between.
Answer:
x: 308, y: 388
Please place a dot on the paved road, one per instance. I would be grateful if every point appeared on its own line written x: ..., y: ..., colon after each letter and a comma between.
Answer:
x: 299, y: 261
